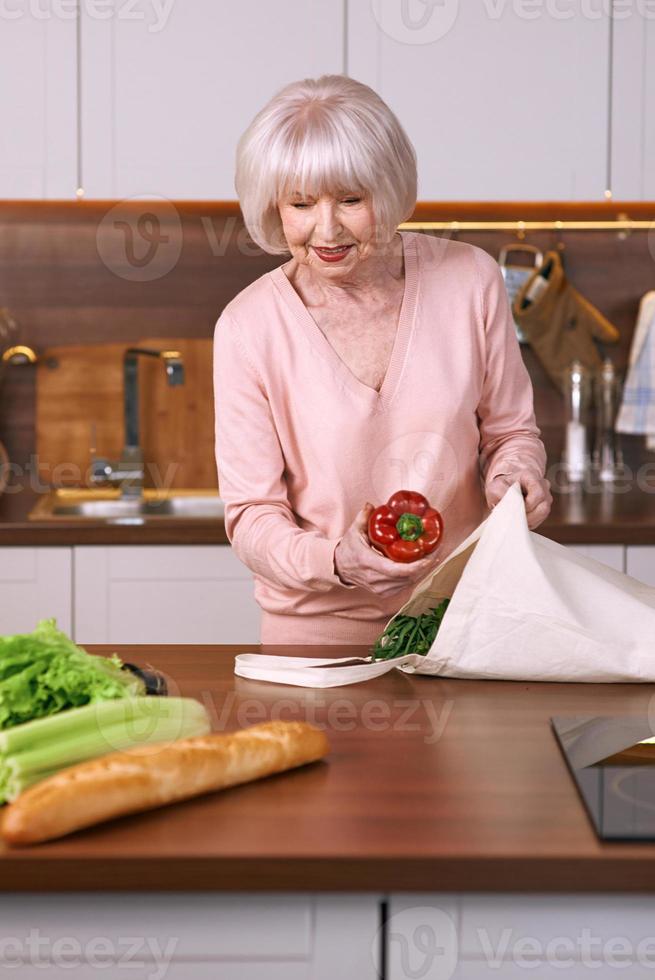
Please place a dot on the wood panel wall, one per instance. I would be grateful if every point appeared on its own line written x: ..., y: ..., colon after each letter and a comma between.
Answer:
x: 92, y: 271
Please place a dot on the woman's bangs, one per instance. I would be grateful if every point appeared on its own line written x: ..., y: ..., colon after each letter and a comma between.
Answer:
x: 321, y: 164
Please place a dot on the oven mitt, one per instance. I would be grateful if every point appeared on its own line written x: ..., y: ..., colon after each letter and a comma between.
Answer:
x: 559, y: 323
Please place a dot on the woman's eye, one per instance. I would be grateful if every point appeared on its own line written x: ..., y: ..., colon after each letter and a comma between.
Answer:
x: 300, y: 204
x: 352, y: 200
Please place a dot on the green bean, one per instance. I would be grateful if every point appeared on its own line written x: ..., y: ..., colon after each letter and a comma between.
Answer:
x: 409, y: 634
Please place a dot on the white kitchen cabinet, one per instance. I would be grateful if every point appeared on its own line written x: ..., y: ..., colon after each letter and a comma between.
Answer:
x: 163, y: 594
x: 35, y: 583
x: 640, y: 562
x: 169, y: 88
x: 609, y: 554
x: 38, y: 108
x: 633, y: 103
x: 648, y: 108
x: 494, y: 96
x: 193, y: 936
x: 509, y: 936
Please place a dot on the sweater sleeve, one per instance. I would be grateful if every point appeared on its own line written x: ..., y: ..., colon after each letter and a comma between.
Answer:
x: 509, y: 437
x: 259, y: 522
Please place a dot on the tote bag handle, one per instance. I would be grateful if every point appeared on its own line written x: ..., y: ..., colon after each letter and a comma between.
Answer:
x: 316, y: 672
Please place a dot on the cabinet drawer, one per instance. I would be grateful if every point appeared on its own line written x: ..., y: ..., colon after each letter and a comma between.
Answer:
x: 192, y: 936
x: 164, y: 594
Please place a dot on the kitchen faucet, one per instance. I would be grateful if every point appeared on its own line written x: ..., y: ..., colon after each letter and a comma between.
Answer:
x: 128, y: 471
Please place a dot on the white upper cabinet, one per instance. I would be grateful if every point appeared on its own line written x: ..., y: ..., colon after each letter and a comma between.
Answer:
x: 38, y: 103
x: 633, y: 102
x: 503, y: 99
x: 170, y: 86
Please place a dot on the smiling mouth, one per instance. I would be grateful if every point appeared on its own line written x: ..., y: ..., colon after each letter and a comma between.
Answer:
x: 333, y: 250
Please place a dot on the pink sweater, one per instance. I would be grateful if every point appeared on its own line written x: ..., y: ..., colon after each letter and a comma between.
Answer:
x: 302, y: 444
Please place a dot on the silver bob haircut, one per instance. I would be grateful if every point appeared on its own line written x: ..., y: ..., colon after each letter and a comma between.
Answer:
x: 325, y: 135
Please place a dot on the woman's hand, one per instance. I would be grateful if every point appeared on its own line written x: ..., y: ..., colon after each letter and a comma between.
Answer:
x: 356, y: 562
x: 536, y: 490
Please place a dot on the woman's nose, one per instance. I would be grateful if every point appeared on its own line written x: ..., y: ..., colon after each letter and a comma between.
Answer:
x: 328, y: 223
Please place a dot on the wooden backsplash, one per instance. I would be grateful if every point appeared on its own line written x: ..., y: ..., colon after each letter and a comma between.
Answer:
x: 98, y: 271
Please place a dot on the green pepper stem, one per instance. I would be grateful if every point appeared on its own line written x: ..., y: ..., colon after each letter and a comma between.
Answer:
x: 409, y: 527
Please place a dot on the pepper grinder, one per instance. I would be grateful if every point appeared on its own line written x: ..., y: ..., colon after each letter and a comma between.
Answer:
x: 577, y: 391
x: 607, y: 457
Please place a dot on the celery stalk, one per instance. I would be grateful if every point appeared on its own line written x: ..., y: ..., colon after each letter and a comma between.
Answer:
x: 17, y: 782
x: 54, y: 743
x: 134, y: 714
x: 113, y: 738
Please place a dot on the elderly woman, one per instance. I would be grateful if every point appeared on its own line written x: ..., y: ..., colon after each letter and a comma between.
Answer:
x: 372, y: 361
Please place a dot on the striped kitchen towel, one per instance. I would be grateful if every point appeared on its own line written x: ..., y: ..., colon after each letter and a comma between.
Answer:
x: 637, y: 411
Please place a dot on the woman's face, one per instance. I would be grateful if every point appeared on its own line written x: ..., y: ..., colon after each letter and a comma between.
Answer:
x: 331, y: 233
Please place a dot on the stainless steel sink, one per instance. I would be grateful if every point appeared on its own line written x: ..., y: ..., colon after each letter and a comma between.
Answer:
x: 108, y: 505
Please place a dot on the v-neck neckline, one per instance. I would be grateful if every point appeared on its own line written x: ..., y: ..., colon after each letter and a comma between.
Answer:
x: 378, y: 399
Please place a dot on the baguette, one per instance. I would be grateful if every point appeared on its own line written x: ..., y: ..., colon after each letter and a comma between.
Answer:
x: 144, y: 778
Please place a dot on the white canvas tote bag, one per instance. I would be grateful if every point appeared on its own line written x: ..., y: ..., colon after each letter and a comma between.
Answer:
x: 522, y: 608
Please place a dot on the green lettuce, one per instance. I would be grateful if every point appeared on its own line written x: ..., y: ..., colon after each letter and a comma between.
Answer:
x: 44, y: 672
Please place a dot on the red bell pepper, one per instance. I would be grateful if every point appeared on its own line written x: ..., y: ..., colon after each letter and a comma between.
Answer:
x: 406, y: 528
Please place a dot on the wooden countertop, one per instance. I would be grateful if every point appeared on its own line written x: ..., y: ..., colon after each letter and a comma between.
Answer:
x: 437, y: 785
x: 598, y: 515
x: 16, y: 529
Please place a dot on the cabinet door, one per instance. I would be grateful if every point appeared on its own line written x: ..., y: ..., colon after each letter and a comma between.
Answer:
x: 35, y: 583
x: 640, y: 563
x: 161, y: 594
x: 609, y: 554
x: 633, y: 103
x: 508, y: 936
x: 169, y: 88
x: 492, y: 94
x: 193, y: 936
x: 38, y: 130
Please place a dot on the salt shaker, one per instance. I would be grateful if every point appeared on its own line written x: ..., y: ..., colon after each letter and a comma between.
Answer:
x: 577, y: 392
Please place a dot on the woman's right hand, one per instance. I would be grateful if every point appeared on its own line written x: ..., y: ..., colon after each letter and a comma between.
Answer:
x: 358, y: 563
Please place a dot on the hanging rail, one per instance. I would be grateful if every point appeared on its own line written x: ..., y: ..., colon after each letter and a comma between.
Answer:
x: 521, y: 227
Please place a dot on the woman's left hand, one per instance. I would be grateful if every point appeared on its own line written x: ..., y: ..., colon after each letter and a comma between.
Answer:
x: 535, y: 489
